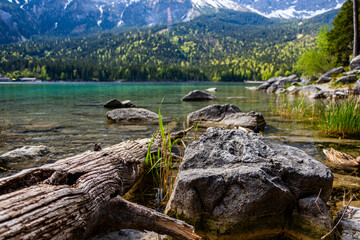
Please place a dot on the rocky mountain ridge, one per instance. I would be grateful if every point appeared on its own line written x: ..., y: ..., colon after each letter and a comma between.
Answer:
x: 21, y: 19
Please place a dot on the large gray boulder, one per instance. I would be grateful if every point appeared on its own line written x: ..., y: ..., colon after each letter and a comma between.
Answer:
x: 323, y: 79
x: 347, y: 79
x: 273, y: 88
x: 198, y: 95
x: 24, y: 157
x: 322, y: 94
x: 226, y: 116
x: 123, y: 115
x: 357, y: 85
x: 264, y: 86
x: 334, y: 71
x: 283, y: 81
x: 276, y: 83
x: 240, y: 183
x: 309, y: 90
x: 351, y: 72
x: 355, y: 63
x: 304, y: 80
x: 350, y: 224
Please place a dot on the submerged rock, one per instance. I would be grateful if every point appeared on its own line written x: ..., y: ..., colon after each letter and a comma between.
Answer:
x: 236, y: 182
x: 226, y: 116
x: 198, y: 95
x: 131, y: 115
x: 27, y: 155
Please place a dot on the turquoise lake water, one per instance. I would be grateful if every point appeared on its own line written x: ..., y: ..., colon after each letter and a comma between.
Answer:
x: 70, y: 117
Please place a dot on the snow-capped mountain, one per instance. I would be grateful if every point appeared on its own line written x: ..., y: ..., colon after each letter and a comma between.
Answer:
x: 68, y: 17
x: 273, y: 8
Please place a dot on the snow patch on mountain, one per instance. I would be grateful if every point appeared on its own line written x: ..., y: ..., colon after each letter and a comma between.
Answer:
x: 16, y: 1
x: 292, y: 10
x: 228, y: 4
x: 67, y: 4
x: 101, y: 9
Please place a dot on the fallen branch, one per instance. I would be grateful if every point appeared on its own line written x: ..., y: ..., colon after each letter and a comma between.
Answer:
x: 342, y: 216
x: 79, y: 197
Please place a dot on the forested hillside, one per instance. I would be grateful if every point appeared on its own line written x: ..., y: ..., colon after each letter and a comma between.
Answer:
x: 227, y: 46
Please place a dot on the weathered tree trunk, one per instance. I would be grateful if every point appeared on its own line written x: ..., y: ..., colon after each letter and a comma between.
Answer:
x: 356, y: 28
x: 80, y: 196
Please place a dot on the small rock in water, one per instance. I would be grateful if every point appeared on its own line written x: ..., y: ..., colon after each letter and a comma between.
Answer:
x: 198, y: 95
x: 211, y: 89
x: 127, y: 104
x: 113, y: 103
x: 97, y: 147
x: 29, y: 155
x: 251, y: 88
x: 123, y: 115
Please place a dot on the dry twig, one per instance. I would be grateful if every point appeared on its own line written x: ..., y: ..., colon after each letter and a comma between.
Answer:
x: 317, y: 205
x: 342, y: 216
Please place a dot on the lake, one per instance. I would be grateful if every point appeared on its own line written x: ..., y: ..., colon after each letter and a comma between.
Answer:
x: 70, y: 117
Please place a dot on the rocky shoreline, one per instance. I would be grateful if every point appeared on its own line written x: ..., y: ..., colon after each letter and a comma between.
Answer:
x: 234, y: 181
x: 329, y: 85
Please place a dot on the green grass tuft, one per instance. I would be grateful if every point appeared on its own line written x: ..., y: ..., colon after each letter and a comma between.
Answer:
x: 341, y: 118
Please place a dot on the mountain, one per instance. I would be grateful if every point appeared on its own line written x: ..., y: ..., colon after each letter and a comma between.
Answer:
x: 21, y: 19
x: 223, y: 46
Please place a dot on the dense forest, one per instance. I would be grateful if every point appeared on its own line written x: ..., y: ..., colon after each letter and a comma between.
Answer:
x: 226, y: 46
x: 334, y: 47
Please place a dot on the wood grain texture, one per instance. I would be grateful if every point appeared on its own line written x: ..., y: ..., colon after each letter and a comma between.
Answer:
x: 80, y: 196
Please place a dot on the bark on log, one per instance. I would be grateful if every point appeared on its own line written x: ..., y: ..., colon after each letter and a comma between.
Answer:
x: 79, y: 197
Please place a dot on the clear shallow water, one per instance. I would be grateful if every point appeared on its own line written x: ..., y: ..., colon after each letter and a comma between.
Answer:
x: 70, y: 117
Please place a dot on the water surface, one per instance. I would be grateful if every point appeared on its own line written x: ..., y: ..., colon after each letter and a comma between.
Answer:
x: 70, y: 117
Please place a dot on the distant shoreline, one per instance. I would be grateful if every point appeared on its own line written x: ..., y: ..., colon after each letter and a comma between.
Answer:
x: 134, y: 83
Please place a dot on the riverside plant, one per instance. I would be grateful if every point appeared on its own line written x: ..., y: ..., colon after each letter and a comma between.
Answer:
x: 162, y: 162
x: 341, y: 118
x: 296, y: 108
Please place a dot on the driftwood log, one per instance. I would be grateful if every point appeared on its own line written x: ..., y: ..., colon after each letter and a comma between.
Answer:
x: 341, y: 159
x: 80, y: 196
